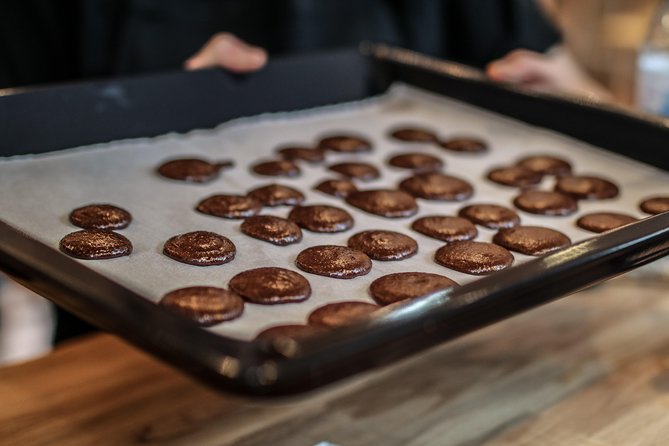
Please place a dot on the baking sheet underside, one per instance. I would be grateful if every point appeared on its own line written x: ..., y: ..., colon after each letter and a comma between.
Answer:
x: 39, y: 191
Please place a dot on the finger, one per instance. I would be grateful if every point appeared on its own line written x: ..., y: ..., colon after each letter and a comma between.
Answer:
x: 555, y: 72
x: 520, y: 67
x: 227, y: 51
x: 521, y: 53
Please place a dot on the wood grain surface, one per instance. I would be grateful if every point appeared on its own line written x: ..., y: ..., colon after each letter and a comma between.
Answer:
x: 591, y: 369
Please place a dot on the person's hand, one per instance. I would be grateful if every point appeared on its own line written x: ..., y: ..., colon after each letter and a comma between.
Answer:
x: 554, y: 72
x: 227, y: 51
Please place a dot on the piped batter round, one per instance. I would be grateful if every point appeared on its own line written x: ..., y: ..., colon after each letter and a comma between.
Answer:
x: 339, y: 262
x: 200, y: 248
x: 205, y: 305
x: 396, y: 287
x: 270, y: 285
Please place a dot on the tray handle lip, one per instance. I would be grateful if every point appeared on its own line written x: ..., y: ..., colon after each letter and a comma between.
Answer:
x: 262, y: 369
x: 401, y: 56
x: 571, y: 269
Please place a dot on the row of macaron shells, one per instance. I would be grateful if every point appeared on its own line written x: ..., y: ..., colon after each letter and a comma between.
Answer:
x: 406, y: 161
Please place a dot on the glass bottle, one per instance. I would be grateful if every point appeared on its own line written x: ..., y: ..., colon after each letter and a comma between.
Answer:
x: 652, y: 80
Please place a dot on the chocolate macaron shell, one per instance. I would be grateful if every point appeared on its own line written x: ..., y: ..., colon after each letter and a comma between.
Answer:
x: 397, y: 287
x: 445, y: 228
x: 490, y: 216
x: 546, y: 165
x: 531, y: 240
x: 655, y: 205
x: 205, y: 305
x: 413, y: 134
x: 100, y: 216
x: 465, y: 144
x: 384, y: 245
x: 340, y: 314
x: 345, y: 144
x: 437, y: 186
x: 276, y: 195
x: 270, y: 286
x: 337, y: 188
x: 276, y: 230
x: 229, y: 206
x: 599, y: 222
x: 476, y: 258
x: 546, y: 203
x: 192, y: 170
x: 387, y: 203
x: 95, y: 244
x: 355, y: 170
x: 339, y: 262
x: 277, y: 168
x: 200, y: 248
x: 587, y: 187
x: 418, y: 162
x: 307, y: 154
x: 295, y: 332
x: 515, y: 176
x: 321, y: 218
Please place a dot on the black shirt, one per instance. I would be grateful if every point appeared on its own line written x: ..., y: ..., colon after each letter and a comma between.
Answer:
x: 47, y: 40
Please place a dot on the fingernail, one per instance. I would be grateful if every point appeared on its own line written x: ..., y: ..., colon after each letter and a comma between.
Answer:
x: 492, y: 71
x: 499, y: 64
x: 258, y: 55
x: 501, y: 70
x: 188, y: 64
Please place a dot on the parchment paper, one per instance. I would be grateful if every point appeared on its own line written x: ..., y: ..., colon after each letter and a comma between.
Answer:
x: 38, y: 192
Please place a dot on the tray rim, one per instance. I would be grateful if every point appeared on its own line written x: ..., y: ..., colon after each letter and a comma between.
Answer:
x: 282, y: 366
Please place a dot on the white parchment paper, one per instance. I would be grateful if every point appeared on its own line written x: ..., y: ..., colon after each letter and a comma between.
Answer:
x: 38, y: 192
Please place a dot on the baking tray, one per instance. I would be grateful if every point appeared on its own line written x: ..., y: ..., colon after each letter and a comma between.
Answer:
x: 88, y: 113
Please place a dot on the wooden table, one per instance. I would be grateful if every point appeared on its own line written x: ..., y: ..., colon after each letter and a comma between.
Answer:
x: 592, y: 369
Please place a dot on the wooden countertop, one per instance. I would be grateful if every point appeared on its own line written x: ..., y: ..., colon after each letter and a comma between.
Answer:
x: 591, y: 369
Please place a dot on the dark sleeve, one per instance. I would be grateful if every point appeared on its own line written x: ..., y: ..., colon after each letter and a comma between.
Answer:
x: 162, y: 35
x: 484, y: 30
x: 474, y: 32
x: 38, y: 42
x: 102, y: 24
x: 533, y: 31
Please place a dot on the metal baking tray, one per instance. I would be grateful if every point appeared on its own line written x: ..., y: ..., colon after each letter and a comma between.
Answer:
x: 43, y: 120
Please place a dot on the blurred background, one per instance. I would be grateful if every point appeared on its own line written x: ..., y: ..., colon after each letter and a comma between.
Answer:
x: 605, y: 37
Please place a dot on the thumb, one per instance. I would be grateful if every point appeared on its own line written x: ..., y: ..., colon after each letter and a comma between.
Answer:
x: 227, y: 51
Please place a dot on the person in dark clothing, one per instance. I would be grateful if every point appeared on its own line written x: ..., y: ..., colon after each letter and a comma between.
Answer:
x: 44, y: 41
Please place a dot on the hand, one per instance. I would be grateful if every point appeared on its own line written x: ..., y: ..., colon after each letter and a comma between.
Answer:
x: 225, y: 50
x: 554, y: 72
